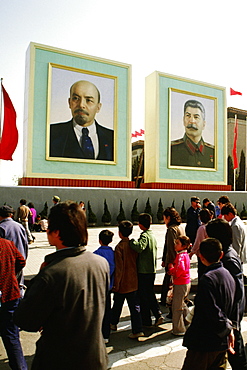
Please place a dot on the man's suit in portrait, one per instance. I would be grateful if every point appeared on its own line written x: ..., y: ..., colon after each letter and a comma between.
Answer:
x: 184, y: 152
x: 64, y: 143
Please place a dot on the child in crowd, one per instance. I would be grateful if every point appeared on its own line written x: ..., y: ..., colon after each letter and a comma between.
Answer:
x: 180, y: 270
x: 37, y: 226
x: 210, y: 334
x: 44, y: 223
x: 126, y: 282
x: 105, y: 238
x: 146, y: 246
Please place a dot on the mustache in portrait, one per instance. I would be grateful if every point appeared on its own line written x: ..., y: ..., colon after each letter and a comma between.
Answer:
x: 190, y: 125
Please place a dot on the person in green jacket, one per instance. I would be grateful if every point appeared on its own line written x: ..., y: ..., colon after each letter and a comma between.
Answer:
x: 146, y: 246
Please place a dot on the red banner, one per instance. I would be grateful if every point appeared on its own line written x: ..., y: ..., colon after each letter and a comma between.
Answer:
x: 233, y: 92
x: 9, y: 139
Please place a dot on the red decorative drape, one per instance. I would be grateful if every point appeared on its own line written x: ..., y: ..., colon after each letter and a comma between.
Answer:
x: 9, y: 139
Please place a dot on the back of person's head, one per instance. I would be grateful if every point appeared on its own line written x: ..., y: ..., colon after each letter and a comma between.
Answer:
x: 224, y: 199
x: 205, y: 215
x: 205, y: 200
x: 6, y: 211
x: 195, y: 199
x: 221, y: 230
x: 211, y: 249
x: 30, y: 205
x: 125, y: 227
x: 69, y: 219
x: 185, y: 241
x: 175, y: 218
x: 145, y: 219
x: 56, y: 199
x: 23, y: 202
x: 105, y: 236
x: 228, y: 208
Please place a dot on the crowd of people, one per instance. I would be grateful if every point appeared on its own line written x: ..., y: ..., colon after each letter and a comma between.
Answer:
x: 76, y: 299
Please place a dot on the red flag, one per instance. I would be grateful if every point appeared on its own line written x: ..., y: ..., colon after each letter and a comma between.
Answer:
x: 233, y: 92
x: 234, y: 149
x: 9, y: 139
x: 137, y: 133
x: 142, y: 131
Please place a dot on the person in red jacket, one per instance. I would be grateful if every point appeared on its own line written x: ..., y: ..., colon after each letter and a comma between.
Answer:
x: 180, y: 271
x: 11, y: 263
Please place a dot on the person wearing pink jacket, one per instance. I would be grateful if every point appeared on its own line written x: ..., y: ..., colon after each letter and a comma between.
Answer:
x: 180, y: 271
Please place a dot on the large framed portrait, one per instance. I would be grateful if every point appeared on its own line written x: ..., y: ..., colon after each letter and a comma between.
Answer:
x: 77, y: 116
x: 192, y: 129
x: 63, y: 143
x: 185, y: 131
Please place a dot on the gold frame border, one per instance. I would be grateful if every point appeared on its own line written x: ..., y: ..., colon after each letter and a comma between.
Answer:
x: 80, y: 160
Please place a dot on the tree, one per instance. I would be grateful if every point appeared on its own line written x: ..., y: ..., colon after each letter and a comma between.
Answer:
x: 92, y: 219
x: 135, y: 213
x: 44, y: 212
x: 148, y: 208
x: 183, y: 213
x: 121, y: 215
x: 160, y: 211
x: 243, y: 214
x: 106, y: 218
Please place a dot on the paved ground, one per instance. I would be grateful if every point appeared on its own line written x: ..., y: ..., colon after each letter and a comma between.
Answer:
x: 159, y: 349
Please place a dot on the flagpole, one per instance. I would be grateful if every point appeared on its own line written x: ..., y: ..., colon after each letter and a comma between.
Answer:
x: 234, y: 152
x: 234, y: 179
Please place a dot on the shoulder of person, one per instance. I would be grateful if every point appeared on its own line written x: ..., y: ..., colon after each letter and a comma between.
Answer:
x: 59, y: 126
x: 99, y: 126
x: 177, y: 142
x: 209, y: 145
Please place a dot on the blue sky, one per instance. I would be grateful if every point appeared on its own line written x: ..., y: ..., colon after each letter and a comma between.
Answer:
x: 204, y: 41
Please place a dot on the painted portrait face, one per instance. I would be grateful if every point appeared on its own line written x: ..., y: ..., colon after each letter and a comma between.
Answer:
x: 194, y: 123
x: 84, y: 102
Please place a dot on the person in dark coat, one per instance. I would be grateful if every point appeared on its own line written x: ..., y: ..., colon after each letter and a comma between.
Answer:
x: 193, y: 221
x: 66, y: 300
x: 210, y: 334
x: 221, y: 230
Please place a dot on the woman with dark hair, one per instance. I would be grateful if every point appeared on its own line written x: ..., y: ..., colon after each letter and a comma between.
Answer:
x: 172, y: 221
x: 205, y: 216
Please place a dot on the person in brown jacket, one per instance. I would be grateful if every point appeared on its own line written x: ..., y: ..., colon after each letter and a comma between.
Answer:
x: 126, y: 282
x: 23, y: 212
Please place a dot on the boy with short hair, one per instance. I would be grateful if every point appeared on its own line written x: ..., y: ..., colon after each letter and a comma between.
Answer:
x: 126, y: 282
x: 105, y: 251
x: 210, y: 334
x: 146, y: 246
